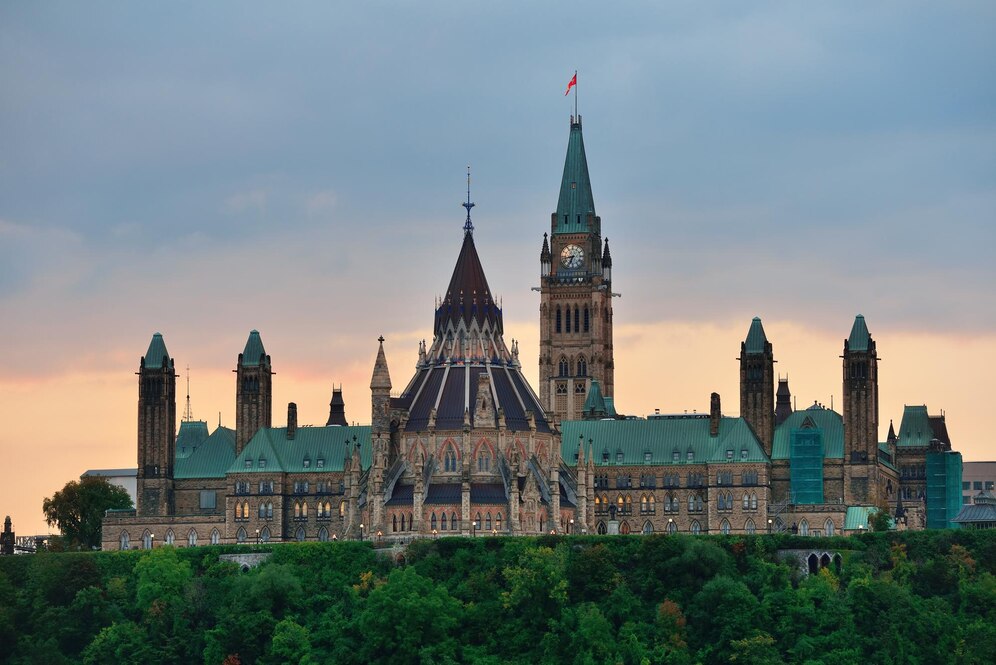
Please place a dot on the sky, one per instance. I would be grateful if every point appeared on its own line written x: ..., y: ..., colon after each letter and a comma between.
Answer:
x: 203, y: 169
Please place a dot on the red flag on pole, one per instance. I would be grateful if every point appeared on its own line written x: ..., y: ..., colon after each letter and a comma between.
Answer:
x: 574, y: 82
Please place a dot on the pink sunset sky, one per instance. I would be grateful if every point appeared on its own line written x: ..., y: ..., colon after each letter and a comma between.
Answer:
x: 203, y: 171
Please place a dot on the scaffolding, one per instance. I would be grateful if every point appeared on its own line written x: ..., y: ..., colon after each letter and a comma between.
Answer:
x: 943, y: 488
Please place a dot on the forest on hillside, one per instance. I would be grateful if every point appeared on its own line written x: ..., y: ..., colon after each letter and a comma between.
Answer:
x: 916, y: 597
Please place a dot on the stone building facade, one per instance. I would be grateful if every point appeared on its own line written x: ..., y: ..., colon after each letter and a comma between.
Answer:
x: 467, y: 447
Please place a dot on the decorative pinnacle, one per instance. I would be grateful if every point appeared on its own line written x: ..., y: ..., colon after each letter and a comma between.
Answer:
x: 468, y: 227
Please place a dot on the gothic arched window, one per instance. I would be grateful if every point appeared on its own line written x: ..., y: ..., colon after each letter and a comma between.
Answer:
x: 582, y: 367
x: 487, y: 522
x: 215, y: 537
x: 432, y: 522
x: 804, y: 527
x: 750, y: 528
x: 498, y: 522
x: 454, y: 522
x: 449, y: 460
x: 724, y: 527
x: 394, y: 524
x: 443, y: 522
x: 192, y: 538
x: 696, y: 527
x: 565, y: 368
x: 828, y: 528
x: 124, y: 542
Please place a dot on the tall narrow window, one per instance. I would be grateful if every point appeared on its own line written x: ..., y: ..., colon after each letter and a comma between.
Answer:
x: 442, y: 522
x: 558, y: 318
x: 577, y: 315
x: 498, y: 522
x: 433, y: 521
x: 586, y: 319
x: 565, y: 368
x: 582, y: 367
x: 567, y: 325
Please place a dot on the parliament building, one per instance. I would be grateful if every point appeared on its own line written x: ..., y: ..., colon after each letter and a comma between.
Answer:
x: 468, y: 447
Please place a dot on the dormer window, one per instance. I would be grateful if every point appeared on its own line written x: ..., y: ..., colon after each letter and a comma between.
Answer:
x: 306, y: 463
x: 690, y: 455
x: 743, y: 453
x: 320, y: 463
x: 248, y: 463
x: 675, y: 456
x: 619, y: 456
x: 729, y: 453
x: 262, y: 462
x: 646, y: 456
x: 605, y: 456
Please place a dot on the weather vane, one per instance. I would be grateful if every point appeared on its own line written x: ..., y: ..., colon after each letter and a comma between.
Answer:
x: 468, y: 227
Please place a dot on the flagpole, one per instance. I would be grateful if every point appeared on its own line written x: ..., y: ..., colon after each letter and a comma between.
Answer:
x: 576, y: 94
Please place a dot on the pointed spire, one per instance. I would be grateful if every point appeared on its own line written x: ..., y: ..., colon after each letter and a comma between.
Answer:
x: 545, y: 252
x: 756, y: 341
x: 783, y: 401
x: 606, y: 256
x: 156, y: 356
x: 468, y: 226
x: 468, y: 296
x: 254, y: 354
x: 575, y: 202
x: 892, y: 438
x: 594, y: 404
x: 860, y: 339
x: 381, y: 376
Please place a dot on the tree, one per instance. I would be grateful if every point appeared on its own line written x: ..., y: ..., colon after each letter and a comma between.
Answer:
x: 78, y: 509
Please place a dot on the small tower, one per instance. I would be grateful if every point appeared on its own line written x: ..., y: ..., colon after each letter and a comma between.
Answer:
x: 783, y: 401
x: 380, y: 392
x: 253, y: 391
x: 337, y: 409
x: 757, y: 384
x: 860, y: 369
x: 156, y: 430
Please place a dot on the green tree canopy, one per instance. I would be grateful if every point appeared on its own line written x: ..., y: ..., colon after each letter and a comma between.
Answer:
x: 78, y: 508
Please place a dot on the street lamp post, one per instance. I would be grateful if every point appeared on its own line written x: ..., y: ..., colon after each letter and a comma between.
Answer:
x: 476, y: 527
x: 670, y: 525
x: 152, y: 541
x: 770, y: 526
x: 380, y: 534
x: 257, y: 536
x: 361, y: 530
x: 570, y: 526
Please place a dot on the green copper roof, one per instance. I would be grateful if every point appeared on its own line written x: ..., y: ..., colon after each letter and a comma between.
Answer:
x: 191, y: 435
x: 661, y: 437
x: 756, y: 339
x: 575, y: 188
x: 594, y: 405
x: 254, y: 353
x: 829, y: 422
x: 212, y: 457
x: 157, y: 354
x: 331, y: 445
x: 859, y: 339
x: 610, y: 407
x: 915, y: 430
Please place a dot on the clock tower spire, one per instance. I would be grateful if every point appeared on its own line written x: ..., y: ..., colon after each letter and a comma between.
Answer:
x: 576, y: 294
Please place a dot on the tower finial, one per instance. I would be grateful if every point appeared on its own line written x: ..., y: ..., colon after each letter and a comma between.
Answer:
x: 188, y: 414
x: 468, y: 227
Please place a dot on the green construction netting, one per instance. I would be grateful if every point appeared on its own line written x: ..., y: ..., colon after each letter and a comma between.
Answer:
x: 806, y: 465
x: 943, y: 489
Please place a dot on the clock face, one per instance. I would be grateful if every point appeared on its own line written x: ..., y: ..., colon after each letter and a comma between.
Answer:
x: 572, y: 257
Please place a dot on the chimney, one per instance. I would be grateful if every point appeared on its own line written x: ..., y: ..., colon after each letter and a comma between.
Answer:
x: 291, y: 420
x: 714, y: 415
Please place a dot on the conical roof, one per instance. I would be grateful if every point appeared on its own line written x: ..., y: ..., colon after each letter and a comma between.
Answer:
x: 468, y: 296
x: 859, y: 339
x: 756, y: 339
x: 254, y: 354
x: 594, y: 404
x: 156, y: 356
x: 381, y: 376
x: 575, y: 202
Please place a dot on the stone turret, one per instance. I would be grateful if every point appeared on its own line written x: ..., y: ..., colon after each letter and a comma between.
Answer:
x: 380, y: 390
x: 757, y: 384
x: 156, y: 430
x: 253, y: 391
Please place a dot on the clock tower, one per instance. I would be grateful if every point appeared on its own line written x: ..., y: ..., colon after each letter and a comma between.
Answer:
x: 576, y: 294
